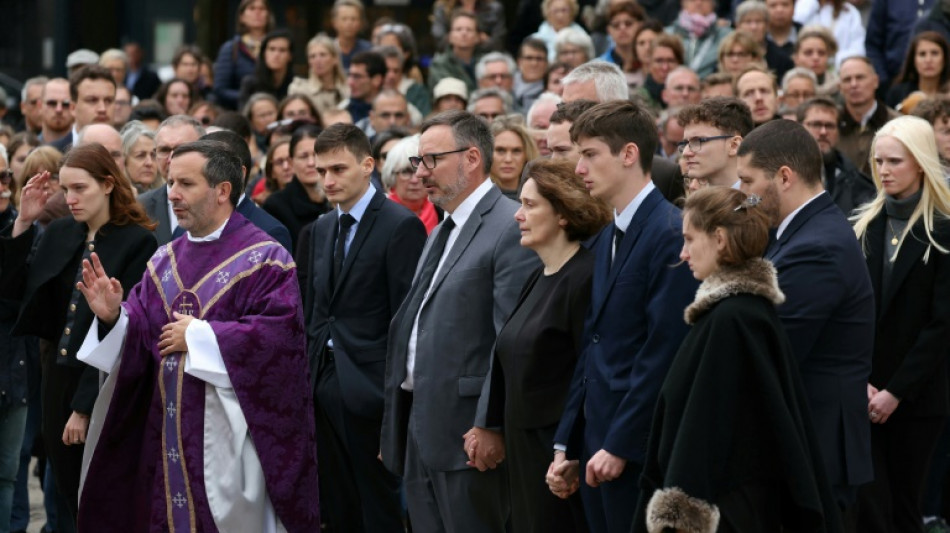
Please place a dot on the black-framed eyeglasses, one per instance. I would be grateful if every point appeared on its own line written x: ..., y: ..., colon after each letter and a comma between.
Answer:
x: 429, y: 160
x: 696, y: 143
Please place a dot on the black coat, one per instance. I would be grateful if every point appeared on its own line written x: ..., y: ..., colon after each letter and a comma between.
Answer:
x: 292, y: 207
x: 849, y: 187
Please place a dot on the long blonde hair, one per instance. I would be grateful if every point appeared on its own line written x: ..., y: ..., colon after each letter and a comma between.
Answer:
x: 917, y: 136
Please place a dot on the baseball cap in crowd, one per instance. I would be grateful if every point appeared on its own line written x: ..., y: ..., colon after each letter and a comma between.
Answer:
x: 450, y: 86
x: 81, y: 57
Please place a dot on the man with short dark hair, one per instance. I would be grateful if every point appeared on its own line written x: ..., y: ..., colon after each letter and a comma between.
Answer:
x: 863, y: 112
x: 829, y: 303
x: 206, y: 359
x: 440, y: 341
x: 365, y: 80
x: 31, y: 103
x: 390, y: 110
x: 712, y: 133
x: 92, y: 100
x: 848, y: 187
x: 459, y: 58
x: 362, y: 258
x: 529, y: 76
x: 634, y: 324
x: 559, y: 132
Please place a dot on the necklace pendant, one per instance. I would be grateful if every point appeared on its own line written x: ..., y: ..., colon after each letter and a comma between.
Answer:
x: 894, y: 241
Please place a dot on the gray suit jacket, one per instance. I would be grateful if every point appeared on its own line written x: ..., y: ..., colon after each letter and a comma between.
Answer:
x: 155, y: 203
x: 472, y: 294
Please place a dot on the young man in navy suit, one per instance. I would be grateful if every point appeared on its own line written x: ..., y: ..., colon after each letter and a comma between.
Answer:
x: 635, y: 323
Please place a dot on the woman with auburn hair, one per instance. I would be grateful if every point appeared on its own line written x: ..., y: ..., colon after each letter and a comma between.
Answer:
x: 514, y: 148
x: 905, y: 233
x: 925, y: 68
x: 538, y: 347
x: 105, y: 219
x: 731, y: 444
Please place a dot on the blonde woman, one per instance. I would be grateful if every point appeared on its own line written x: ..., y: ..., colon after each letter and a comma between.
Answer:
x: 739, y: 51
x: 326, y: 84
x: 514, y: 147
x: 906, y: 238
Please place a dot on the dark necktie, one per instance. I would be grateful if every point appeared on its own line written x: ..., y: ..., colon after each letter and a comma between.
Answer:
x: 346, y: 222
x: 618, y: 238
x: 428, y: 268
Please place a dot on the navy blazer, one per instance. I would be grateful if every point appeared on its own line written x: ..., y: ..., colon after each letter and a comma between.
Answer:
x: 632, y: 331
x: 268, y: 224
x: 829, y: 316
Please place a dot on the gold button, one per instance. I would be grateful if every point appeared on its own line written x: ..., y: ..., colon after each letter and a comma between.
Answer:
x: 66, y: 331
x: 72, y: 307
x: 92, y: 247
x: 62, y: 352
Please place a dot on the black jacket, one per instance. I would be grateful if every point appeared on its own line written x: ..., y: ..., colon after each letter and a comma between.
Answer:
x: 292, y: 207
x: 849, y: 187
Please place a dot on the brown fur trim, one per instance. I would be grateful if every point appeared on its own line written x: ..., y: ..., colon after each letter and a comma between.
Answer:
x: 673, y: 508
x: 756, y: 276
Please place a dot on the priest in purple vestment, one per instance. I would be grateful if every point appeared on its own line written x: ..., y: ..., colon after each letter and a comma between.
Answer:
x: 205, y: 422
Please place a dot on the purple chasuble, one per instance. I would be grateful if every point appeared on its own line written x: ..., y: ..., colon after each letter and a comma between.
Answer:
x: 146, y: 473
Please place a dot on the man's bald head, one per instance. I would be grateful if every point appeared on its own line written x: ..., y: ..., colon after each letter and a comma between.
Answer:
x: 108, y: 137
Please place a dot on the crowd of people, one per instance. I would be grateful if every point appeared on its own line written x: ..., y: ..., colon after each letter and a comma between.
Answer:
x: 653, y: 268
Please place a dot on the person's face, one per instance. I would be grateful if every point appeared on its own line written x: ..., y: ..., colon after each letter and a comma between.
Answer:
x: 408, y: 186
x: 263, y: 112
x: 755, y: 181
x: 362, y: 87
x: 573, y: 56
x: 662, y: 61
x: 942, y: 132
x: 32, y: 107
x: 701, y: 249
x: 96, y: 103
x: 448, y: 183
x: 736, y: 59
x: 585, y: 90
x: 682, y: 88
x: 194, y: 201
x: 822, y: 124
x: 532, y: 64
x: 780, y: 12
x: 57, y: 109
x: 384, y: 153
x: 712, y: 159
x: 6, y: 182
x: 450, y: 102
x: 297, y: 109
x: 558, y: 14
x: 540, y: 225
x: 799, y: 89
x: 622, y: 29
x: 540, y: 121
x: 177, y: 99
x: 559, y: 142
x: 393, y: 73
x: 203, y: 114
x: 497, y: 75
x: 117, y: 68
x: 86, y: 198
x: 344, y: 177
x: 673, y: 133
x: 347, y: 22
x: 754, y: 25
x: 509, y: 158
x: 643, y: 46
x: 17, y: 161
x: 320, y: 60
x: 123, y: 107
x: 758, y: 92
x: 169, y: 138
x: 488, y: 108
x: 463, y: 34
x: 277, y: 54
x: 900, y: 174
x: 698, y: 7
x: 721, y: 89
x: 813, y: 55
x: 305, y: 163
x: 554, y: 81
x: 254, y: 17
x: 929, y: 60
x: 188, y: 69
x: 141, y: 164
x: 283, y: 165
x: 389, y: 111
x: 858, y: 82
x: 604, y: 174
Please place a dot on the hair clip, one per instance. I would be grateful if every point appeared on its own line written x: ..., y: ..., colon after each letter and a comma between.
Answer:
x: 752, y: 201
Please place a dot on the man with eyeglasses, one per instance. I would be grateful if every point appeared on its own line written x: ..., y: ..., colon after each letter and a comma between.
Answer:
x: 440, y: 340
x: 175, y: 131
x: 529, y: 76
x: 712, y: 132
x: 848, y: 186
x: 31, y: 103
x: 489, y: 103
x: 57, y: 114
x: 390, y: 110
x: 682, y: 88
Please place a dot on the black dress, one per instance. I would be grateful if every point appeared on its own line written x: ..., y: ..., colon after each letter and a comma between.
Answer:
x: 535, y: 356
x: 294, y: 209
x: 52, y: 309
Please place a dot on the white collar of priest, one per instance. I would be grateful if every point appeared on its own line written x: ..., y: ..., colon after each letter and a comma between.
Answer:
x: 213, y: 236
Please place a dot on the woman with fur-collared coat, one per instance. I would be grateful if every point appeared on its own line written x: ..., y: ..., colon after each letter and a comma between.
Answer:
x: 731, y: 447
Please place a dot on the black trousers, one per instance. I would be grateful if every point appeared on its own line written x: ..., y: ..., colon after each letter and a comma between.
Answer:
x: 357, y: 493
x: 901, y: 449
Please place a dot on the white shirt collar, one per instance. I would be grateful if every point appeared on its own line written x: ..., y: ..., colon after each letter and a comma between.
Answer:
x: 623, y: 219
x: 213, y: 236
x: 359, y: 208
x: 464, y: 209
x: 788, y: 219
x: 867, y: 116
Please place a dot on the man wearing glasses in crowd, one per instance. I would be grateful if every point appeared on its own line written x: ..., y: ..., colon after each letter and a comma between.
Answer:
x: 57, y: 115
x: 712, y: 132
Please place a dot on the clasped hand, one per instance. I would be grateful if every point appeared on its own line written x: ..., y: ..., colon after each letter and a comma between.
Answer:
x: 485, y: 448
x: 172, y: 339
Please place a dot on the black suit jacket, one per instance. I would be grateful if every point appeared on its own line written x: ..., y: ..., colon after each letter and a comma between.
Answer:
x: 355, y: 311
x: 292, y: 207
x: 147, y: 84
x: 155, y: 203
x: 913, y: 320
x: 668, y: 179
x: 265, y: 222
x: 63, y: 144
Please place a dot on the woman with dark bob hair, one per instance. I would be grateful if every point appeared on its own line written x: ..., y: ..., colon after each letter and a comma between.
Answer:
x: 105, y: 219
x: 537, y: 349
x: 731, y: 440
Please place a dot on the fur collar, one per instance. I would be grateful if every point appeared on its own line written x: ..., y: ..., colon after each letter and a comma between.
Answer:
x: 674, y: 509
x: 756, y: 277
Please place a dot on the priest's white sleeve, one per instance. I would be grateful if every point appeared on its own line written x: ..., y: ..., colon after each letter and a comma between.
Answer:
x: 104, y: 354
x: 204, y: 360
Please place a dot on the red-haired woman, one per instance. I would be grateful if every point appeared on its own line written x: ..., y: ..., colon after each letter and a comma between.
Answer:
x: 105, y: 219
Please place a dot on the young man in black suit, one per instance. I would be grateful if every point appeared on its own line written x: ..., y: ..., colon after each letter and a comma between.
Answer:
x: 362, y: 258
